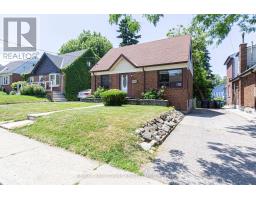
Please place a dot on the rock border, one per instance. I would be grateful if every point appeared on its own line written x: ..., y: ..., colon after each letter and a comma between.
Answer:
x: 155, y: 131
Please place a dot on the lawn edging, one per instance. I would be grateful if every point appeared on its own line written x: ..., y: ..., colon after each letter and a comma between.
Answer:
x: 153, y: 102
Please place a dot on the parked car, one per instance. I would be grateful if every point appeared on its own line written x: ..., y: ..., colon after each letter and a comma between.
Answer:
x: 84, y: 94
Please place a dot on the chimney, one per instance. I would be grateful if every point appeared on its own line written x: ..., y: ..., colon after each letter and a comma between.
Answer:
x: 243, y: 57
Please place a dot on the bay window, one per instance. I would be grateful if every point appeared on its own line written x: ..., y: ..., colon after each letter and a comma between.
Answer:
x: 170, y: 78
x: 55, y: 79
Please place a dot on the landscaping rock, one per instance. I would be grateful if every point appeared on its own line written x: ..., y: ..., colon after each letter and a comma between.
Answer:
x: 146, y: 146
x: 155, y: 131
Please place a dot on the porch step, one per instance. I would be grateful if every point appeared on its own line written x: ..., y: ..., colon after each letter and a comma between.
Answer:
x: 58, y: 97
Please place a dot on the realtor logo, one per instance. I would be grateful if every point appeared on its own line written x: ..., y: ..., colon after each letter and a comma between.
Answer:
x: 20, y: 34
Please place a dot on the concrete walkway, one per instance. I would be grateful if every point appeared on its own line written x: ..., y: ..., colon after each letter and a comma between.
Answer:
x: 208, y: 147
x: 26, y: 161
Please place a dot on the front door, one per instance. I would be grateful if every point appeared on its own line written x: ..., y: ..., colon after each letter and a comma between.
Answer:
x: 124, y: 82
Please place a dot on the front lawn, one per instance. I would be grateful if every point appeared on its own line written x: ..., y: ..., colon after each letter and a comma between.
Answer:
x: 20, y: 111
x: 12, y: 99
x: 103, y: 133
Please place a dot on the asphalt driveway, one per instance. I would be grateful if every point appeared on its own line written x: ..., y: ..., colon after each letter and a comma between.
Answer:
x: 208, y: 147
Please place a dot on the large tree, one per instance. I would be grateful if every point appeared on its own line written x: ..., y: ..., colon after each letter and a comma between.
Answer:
x: 130, y: 27
x: 203, y: 77
x: 218, y: 26
x: 88, y: 40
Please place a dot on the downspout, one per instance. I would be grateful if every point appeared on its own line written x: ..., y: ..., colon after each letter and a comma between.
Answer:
x: 94, y: 81
x: 144, y: 80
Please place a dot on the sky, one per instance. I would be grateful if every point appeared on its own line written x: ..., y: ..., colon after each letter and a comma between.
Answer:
x: 54, y: 30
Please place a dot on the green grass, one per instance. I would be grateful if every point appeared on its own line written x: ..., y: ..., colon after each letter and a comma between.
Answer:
x: 104, y: 133
x: 13, y: 99
x: 20, y: 111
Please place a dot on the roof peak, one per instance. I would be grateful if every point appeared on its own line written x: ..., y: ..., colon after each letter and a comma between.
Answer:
x: 152, y: 41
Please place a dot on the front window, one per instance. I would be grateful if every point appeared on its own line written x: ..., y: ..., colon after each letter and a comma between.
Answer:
x: 170, y: 78
x: 31, y: 79
x: 4, y: 80
x: 105, y: 82
x: 41, y: 79
x: 55, y: 79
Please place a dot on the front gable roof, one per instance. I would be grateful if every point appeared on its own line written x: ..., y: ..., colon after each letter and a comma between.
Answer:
x: 60, y: 61
x: 159, y: 52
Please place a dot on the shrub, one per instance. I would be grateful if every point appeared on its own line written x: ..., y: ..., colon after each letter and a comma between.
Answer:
x: 113, y: 97
x: 98, y: 92
x: 33, y: 90
x: 38, y: 91
x: 154, y: 94
x: 15, y: 84
x: 12, y: 92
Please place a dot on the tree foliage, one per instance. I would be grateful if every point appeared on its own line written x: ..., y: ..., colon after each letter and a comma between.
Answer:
x: 88, y: 40
x: 219, y: 25
x: 127, y: 34
x: 203, y: 77
x: 219, y: 80
x: 130, y: 27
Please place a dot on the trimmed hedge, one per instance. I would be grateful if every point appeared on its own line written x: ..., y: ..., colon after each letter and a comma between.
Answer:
x: 113, y: 97
x: 77, y: 75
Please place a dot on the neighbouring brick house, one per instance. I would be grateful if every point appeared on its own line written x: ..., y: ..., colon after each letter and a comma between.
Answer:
x: 138, y: 68
x: 13, y: 72
x: 241, y: 75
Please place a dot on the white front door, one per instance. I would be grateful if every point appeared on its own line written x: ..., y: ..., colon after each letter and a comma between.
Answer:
x: 124, y: 82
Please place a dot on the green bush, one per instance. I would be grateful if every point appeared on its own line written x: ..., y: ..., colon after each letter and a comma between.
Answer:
x: 33, y: 90
x: 15, y: 84
x: 113, y: 97
x: 154, y: 94
x: 98, y: 92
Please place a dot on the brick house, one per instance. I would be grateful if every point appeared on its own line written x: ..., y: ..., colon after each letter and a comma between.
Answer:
x: 241, y: 75
x: 138, y: 68
x: 13, y: 72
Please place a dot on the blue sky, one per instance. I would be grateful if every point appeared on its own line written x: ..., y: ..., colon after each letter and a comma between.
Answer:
x: 54, y: 30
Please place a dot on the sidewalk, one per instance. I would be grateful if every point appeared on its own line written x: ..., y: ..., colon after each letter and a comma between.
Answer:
x: 26, y: 161
x: 249, y: 116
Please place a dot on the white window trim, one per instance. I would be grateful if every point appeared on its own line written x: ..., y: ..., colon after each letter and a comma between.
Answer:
x: 54, y: 81
x: 39, y: 78
x: 31, y: 79
x: 5, y: 80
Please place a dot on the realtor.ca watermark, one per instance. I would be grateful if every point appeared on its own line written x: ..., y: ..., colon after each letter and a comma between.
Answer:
x: 19, y: 38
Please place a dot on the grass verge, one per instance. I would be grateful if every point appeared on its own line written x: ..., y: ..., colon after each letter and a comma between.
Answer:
x: 104, y: 133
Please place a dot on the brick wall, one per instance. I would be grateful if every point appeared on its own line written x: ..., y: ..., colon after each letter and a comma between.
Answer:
x: 177, y: 97
x: 243, y: 57
x: 248, y: 84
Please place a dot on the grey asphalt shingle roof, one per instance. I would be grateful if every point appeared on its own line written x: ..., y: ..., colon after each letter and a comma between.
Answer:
x: 63, y: 60
x: 27, y: 67
x: 1, y: 67
x: 19, y: 67
x: 12, y: 66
